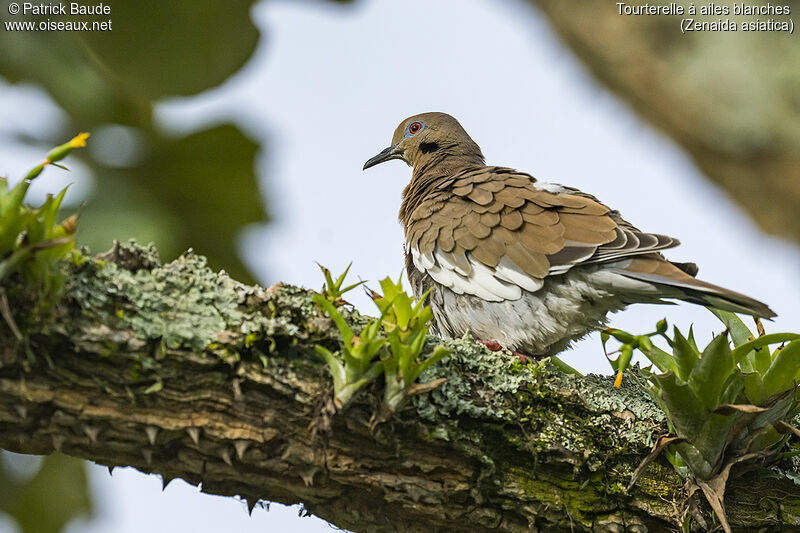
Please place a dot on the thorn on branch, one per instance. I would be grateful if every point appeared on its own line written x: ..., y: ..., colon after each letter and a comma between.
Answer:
x: 152, y: 433
x: 241, y: 447
x: 194, y: 434
x: 92, y: 432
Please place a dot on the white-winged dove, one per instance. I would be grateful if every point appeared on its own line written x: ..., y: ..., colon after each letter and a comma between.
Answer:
x: 533, y: 266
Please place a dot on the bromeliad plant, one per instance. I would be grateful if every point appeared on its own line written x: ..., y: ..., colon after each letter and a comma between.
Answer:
x: 332, y: 289
x: 390, y: 344
x: 31, y: 240
x: 406, y: 324
x: 724, y: 405
x: 357, y: 365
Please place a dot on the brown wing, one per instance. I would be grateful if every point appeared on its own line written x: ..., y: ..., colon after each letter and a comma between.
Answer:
x: 491, y: 232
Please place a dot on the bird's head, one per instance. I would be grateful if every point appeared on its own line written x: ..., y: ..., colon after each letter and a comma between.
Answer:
x: 429, y: 138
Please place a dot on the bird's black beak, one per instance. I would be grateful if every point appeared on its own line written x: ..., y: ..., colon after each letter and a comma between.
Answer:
x: 389, y: 153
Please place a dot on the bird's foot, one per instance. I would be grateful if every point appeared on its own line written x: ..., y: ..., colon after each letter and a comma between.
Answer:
x: 522, y: 357
x: 494, y: 346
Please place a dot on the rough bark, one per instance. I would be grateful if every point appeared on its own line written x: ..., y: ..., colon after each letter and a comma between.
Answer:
x: 730, y: 99
x: 176, y: 370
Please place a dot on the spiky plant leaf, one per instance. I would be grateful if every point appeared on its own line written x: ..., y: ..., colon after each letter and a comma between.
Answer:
x: 684, y: 408
x: 712, y: 370
x: 783, y: 371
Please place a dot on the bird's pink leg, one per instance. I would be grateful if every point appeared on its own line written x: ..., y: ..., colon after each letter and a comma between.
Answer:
x: 522, y: 357
x: 494, y: 346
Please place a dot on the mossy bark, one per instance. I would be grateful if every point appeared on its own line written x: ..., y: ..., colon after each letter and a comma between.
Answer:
x: 176, y: 370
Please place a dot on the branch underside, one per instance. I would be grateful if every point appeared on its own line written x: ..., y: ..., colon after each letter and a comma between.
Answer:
x: 180, y: 371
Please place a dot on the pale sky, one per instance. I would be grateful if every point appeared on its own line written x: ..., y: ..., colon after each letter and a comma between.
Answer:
x: 325, y: 91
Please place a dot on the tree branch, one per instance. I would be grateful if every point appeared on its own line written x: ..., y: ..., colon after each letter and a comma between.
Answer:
x: 176, y: 370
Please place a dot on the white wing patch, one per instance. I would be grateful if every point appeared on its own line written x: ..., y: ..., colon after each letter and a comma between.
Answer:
x: 469, y: 276
x: 553, y: 188
x: 508, y: 271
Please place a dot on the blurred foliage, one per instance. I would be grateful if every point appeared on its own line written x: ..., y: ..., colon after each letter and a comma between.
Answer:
x: 59, y: 486
x: 730, y: 99
x: 724, y: 406
x: 198, y: 191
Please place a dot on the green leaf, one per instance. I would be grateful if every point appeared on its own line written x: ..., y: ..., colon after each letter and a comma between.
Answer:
x: 731, y: 388
x: 783, y: 371
x: 402, y: 310
x: 690, y: 339
x: 335, y: 366
x: 418, y: 341
x: 713, y: 438
x: 767, y: 437
x: 663, y: 361
x: 740, y: 333
x: 421, y: 301
x: 695, y: 460
x: 13, y: 201
x: 604, y: 336
x: 348, y: 391
x: 439, y: 352
x: 164, y: 52
x: 754, y: 388
x: 58, y: 493
x: 677, y: 461
x: 50, y: 211
x: 686, y: 355
x: 773, y: 338
x: 340, y: 279
x: 622, y: 336
x: 338, y: 319
x: 755, y: 360
x: 198, y: 191
x: 760, y: 359
x: 711, y: 371
x: 564, y: 367
x: 392, y: 359
x: 684, y: 408
x: 777, y: 411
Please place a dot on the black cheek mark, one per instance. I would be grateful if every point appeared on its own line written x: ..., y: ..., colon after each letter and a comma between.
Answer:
x: 427, y: 148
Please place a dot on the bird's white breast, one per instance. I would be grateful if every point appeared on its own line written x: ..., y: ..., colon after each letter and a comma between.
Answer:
x: 537, y: 323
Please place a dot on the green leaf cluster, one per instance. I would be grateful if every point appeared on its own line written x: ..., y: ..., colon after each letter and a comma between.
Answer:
x: 332, y: 289
x: 59, y: 475
x: 32, y: 240
x: 391, y: 344
x: 724, y: 404
x: 406, y: 323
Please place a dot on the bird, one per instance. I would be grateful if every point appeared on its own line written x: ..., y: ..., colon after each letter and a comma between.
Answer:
x: 527, y: 265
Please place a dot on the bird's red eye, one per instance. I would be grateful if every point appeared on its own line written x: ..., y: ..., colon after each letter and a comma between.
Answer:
x: 415, y: 127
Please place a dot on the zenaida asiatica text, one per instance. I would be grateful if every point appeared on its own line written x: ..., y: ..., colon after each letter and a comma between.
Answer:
x: 533, y: 266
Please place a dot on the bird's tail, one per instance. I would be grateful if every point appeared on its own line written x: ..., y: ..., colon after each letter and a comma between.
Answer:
x: 657, y: 271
